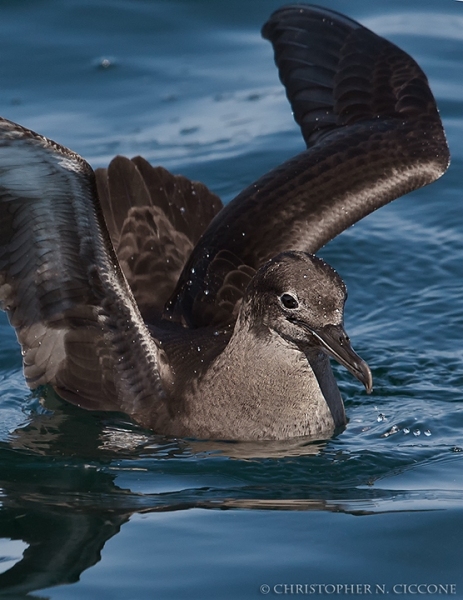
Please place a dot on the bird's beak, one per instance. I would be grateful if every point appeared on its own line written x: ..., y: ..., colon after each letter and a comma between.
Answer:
x: 335, y: 342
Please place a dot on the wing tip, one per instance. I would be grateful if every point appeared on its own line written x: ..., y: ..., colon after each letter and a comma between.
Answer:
x: 286, y: 13
x: 13, y: 132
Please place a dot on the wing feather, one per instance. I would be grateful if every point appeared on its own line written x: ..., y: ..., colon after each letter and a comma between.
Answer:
x: 154, y: 219
x: 60, y: 282
x: 373, y: 134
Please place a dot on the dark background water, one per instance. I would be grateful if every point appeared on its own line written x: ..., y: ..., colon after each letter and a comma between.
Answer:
x: 93, y: 501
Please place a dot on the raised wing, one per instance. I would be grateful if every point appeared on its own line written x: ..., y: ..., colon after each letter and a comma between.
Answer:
x: 61, y: 285
x: 154, y: 220
x: 373, y: 134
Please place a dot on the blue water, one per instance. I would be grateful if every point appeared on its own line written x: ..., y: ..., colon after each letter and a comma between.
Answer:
x: 94, y: 507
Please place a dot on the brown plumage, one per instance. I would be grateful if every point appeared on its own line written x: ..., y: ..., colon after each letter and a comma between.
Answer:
x: 136, y: 291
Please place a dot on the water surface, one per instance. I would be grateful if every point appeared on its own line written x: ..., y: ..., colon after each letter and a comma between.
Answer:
x: 93, y: 506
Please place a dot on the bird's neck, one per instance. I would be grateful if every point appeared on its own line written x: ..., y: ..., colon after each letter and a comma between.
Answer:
x: 262, y: 387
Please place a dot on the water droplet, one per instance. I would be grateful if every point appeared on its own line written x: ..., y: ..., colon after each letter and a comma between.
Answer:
x: 182, y: 210
x: 104, y: 63
x: 392, y: 430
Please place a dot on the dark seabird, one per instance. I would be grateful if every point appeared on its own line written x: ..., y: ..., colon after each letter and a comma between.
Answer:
x: 135, y: 291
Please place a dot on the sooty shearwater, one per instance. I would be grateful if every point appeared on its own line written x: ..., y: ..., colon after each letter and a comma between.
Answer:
x: 134, y: 290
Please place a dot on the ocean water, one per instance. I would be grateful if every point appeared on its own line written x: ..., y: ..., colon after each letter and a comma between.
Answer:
x: 94, y: 507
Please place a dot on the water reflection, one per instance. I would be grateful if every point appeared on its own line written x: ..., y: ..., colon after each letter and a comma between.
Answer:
x: 70, y: 480
x: 61, y: 543
x: 66, y: 515
x: 66, y: 530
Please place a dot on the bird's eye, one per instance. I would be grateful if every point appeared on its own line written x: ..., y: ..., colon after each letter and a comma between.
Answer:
x: 289, y: 301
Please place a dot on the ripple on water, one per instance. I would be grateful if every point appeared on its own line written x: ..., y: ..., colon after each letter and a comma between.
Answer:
x: 215, y: 112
